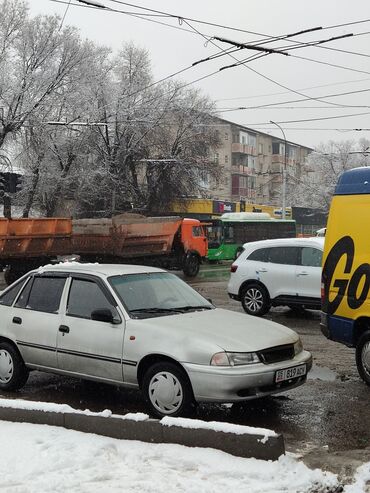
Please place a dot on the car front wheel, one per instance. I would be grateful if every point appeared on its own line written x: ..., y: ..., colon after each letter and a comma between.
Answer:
x: 363, y: 357
x: 13, y: 373
x: 168, y: 391
x: 255, y: 300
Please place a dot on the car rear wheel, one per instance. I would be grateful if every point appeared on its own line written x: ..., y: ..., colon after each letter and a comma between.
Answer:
x: 13, y: 372
x: 168, y: 391
x: 255, y: 300
x: 363, y: 357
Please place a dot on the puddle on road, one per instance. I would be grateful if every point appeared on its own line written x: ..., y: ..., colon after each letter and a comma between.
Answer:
x: 322, y: 373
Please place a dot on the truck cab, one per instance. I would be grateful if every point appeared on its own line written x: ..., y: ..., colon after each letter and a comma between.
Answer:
x: 195, y: 245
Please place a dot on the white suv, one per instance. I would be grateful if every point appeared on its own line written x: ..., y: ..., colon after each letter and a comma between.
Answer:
x: 278, y: 272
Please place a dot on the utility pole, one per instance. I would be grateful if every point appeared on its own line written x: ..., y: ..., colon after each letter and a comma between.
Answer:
x: 283, y: 208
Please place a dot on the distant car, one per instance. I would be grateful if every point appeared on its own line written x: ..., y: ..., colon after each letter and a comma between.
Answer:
x: 278, y: 272
x: 144, y: 328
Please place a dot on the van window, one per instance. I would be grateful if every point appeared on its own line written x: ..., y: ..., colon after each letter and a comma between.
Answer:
x: 311, y: 257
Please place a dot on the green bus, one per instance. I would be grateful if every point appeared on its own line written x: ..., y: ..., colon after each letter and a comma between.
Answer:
x: 227, y: 234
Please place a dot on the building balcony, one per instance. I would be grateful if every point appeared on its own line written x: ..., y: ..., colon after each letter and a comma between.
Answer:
x: 280, y: 158
x: 243, y: 149
x: 243, y: 170
x: 247, y: 193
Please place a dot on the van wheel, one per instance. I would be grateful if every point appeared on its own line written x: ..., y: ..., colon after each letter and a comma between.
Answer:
x: 255, y: 300
x: 363, y: 357
x: 13, y: 372
x: 168, y: 391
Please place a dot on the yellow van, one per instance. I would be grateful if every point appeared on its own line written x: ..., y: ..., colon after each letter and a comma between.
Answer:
x: 345, y: 288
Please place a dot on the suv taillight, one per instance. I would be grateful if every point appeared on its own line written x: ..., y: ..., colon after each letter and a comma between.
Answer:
x: 233, y: 268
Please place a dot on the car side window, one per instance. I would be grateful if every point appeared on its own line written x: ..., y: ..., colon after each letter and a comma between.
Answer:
x: 311, y: 257
x: 42, y: 295
x: 85, y: 296
x: 7, y: 299
x: 283, y: 255
x: 260, y: 255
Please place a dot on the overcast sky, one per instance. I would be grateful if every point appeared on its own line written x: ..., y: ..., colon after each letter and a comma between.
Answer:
x: 258, y: 82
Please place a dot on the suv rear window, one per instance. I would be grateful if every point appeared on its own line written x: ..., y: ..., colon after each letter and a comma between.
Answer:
x: 286, y: 255
x: 260, y: 255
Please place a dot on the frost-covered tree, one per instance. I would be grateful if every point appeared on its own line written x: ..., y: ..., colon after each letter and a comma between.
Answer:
x: 37, y: 60
x: 324, y: 167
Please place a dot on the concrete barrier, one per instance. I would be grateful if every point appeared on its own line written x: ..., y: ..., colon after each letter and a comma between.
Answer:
x: 153, y: 431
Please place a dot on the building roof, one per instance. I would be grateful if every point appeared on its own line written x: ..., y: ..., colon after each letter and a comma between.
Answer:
x: 248, y: 129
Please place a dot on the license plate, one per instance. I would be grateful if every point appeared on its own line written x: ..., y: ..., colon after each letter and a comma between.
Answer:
x: 289, y: 373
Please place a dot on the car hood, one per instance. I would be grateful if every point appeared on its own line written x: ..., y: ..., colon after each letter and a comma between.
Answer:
x: 231, y: 331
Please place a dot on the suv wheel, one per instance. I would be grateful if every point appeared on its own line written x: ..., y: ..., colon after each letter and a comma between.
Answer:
x: 168, y: 391
x: 13, y: 373
x: 255, y: 300
x: 363, y: 357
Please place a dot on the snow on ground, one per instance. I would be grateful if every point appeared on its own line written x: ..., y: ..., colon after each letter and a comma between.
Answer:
x: 47, y: 459
x: 43, y: 459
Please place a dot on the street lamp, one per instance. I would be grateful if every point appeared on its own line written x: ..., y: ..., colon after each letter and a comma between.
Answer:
x: 283, y: 208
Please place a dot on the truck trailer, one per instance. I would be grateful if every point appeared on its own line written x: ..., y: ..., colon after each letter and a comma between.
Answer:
x: 168, y: 242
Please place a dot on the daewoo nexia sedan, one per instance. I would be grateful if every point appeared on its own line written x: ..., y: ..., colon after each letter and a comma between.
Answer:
x: 142, y: 327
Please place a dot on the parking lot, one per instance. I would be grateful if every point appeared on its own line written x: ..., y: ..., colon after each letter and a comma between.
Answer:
x: 317, y: 420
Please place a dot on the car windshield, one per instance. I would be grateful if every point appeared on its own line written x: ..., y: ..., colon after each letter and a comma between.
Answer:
x: 157, y: 294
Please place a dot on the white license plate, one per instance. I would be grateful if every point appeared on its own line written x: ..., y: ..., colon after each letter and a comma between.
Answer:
x: 289, y: 373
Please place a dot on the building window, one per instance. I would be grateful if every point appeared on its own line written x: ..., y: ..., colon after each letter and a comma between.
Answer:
x: 226, y: 159
x: 216, y: 158
x: 260, y: 149
x: 226, y: 136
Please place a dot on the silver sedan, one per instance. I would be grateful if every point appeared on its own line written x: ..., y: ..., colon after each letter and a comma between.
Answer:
x: 142, y: 327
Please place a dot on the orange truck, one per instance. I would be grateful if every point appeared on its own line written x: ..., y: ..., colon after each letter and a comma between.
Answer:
x: 168, y: 242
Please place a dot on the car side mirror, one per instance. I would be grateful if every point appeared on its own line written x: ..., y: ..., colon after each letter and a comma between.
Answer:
x: 103, y: 315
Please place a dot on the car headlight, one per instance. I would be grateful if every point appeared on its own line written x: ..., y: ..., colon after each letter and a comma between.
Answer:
x: 234, y: 359
x: 298, y: 347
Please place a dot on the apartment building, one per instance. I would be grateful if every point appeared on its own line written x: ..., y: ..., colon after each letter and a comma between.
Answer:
x: 252, y: 163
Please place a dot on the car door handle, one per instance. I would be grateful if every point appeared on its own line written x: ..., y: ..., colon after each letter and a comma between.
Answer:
x: 64, y: 329
x: 262, y: 270
x: 302, y: 274
x: 17, y: 320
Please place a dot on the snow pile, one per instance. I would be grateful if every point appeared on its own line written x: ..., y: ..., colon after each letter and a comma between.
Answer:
x: 217, y: 426
x: 65, y: 408
x: 40, y: 458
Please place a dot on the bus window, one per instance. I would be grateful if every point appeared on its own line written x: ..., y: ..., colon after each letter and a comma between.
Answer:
x: 228, y: 233
x: 214, y: 234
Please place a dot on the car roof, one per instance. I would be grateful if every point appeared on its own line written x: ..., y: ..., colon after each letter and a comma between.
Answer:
x: 312, y: 241
x: 100, y: 269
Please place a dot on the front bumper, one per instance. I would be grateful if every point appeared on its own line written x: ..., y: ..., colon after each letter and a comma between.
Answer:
x: 240, y: 383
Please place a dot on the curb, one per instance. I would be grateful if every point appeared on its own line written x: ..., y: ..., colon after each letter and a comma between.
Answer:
x: 153, y: 431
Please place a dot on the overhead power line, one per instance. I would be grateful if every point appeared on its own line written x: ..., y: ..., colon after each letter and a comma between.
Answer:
x: 311, y: 119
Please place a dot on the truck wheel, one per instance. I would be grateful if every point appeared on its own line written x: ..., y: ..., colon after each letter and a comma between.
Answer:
x: 13, y: 372
x: 191, y: 265
x: 255, y: 300
x: 168, y: 391
x: 363, y: 357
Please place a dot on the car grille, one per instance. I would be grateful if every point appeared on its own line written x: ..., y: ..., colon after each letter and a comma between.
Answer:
x: 276, y: 354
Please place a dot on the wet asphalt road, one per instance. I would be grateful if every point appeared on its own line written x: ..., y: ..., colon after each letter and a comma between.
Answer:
x: 326, y: 421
